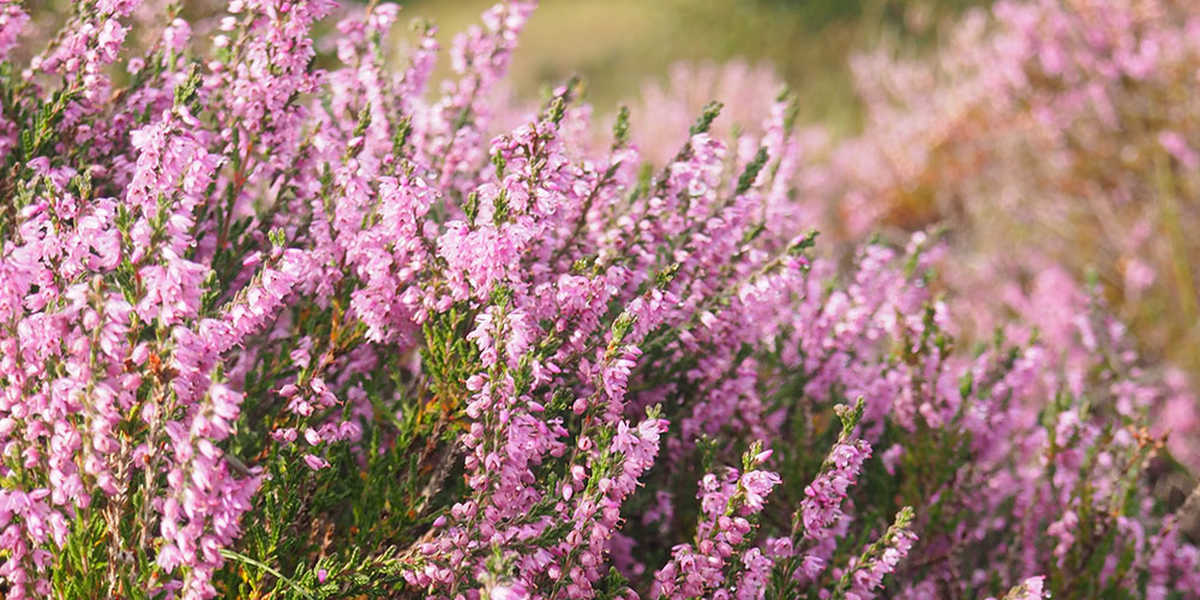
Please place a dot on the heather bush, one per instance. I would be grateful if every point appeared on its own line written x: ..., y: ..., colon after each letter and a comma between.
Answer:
x: 1050, y: 132
x: 276, y: 331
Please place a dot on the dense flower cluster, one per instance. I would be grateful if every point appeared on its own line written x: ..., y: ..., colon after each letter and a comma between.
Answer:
x: 270, y: 330
x: 1051, y: 133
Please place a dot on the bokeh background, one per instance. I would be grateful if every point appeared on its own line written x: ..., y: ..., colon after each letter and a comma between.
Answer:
x: 619, y: 46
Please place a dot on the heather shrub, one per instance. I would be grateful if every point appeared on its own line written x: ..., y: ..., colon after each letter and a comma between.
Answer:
x: 1048, y: 132
x: 276, y: 331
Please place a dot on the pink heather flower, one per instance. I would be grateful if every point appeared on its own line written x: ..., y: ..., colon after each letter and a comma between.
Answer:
x: 329, y: 258
x: 757, y: 485
x: 109, y: 40
x: 726, y: 503
x: 117, y: 7
x: 12, y: 22
x: 1064, y: 531
x: 314, y: 462
x: 891, y: 457
x: 1139, y: 275
x: 509, y: 592
x: 1032, y: 589
x: 1179, y: 148
x: 820, y: 508
x: 867, y: 578
x: 176, y: 35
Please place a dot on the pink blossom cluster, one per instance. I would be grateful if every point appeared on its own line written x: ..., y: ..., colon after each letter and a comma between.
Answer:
x: 1040, y: 130
x: 276, y: 330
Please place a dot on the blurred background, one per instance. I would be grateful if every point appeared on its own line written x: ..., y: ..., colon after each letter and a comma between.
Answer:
x: 618, y: 46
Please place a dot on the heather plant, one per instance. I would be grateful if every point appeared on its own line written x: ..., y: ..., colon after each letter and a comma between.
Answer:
x: 276, y: 331
x: 1065, y: 129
